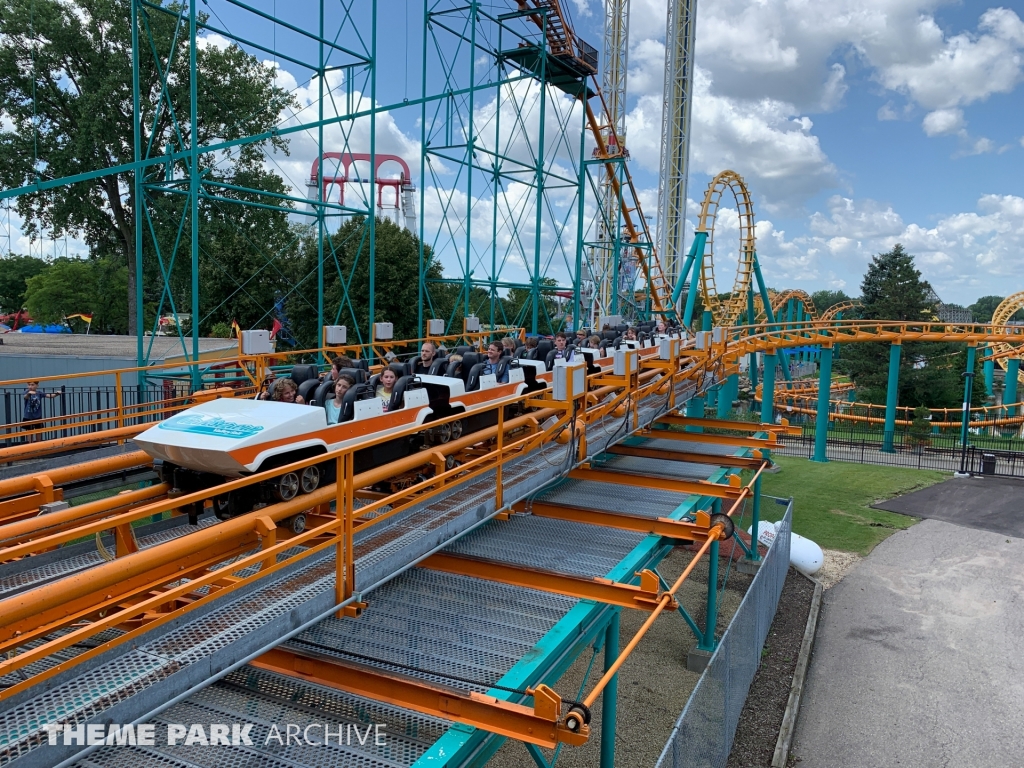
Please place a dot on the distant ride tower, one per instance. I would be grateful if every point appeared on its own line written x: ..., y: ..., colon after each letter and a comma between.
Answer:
x: 610, y: 254
x: 675, y: 134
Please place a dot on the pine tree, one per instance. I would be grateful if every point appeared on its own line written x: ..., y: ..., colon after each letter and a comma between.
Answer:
x: 892, y: 289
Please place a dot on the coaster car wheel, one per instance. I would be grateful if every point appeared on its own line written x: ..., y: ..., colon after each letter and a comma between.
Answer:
x: 309, y: 479
x: 286, y: 487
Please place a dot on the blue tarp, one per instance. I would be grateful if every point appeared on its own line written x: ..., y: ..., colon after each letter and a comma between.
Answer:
x: 45, y: 329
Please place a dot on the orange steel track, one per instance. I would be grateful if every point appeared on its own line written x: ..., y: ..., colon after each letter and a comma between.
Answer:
x: 137, y: 591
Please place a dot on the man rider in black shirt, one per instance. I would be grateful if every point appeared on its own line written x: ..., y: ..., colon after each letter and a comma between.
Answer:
x: 428, y: 354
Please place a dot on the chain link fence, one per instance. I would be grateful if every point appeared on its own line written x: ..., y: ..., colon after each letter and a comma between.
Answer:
x: 702, y: 737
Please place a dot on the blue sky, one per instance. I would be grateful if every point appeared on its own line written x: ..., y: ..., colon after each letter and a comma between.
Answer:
x: 856, y: 123
x: 912, y: 131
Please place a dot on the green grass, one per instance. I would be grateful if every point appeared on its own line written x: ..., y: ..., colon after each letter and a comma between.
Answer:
x: 831, y: 501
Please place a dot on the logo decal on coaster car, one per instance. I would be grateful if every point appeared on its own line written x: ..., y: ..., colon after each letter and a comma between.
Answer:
x: 210, y: 425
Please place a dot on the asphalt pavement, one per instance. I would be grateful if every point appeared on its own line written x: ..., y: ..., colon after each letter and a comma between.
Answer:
x: 990, y: 503
x: 917, y: 661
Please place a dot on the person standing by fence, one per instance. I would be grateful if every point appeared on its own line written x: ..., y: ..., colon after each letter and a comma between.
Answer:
x: 32, y: 416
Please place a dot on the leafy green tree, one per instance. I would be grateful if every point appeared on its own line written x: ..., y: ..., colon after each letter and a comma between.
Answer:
x: 892, y: 289
x: 248, y: 257
x: 824, y: 299
x: 519, y: 307
x: 14, y: 272
x: 95, y: 286
x: 66, y: 88
x: 985, y: 307
x: 347, y: 281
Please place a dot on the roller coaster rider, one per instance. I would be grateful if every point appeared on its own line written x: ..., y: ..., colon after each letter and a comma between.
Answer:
x: 493, y: 363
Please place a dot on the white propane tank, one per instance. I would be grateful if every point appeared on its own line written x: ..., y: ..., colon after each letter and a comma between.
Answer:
x: 804, y: 554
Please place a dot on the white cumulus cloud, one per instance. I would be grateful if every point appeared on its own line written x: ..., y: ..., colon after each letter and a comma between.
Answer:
x: 943, y: 121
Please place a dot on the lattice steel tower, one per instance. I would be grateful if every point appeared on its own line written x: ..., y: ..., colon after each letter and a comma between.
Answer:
x: 675, y: 134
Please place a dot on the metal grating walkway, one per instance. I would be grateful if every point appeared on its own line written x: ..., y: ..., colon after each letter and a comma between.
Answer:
x: 135, y: 682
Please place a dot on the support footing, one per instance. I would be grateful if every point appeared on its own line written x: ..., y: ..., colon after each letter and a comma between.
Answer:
x: 697, y: 660
x: 749, y: 567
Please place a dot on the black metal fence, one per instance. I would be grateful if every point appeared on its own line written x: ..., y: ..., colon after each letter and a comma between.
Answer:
x: 984, y: 454
x: 80, y: 410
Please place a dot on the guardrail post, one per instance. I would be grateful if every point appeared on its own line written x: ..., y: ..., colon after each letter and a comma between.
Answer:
x: 891, y: 396
x: 7, y: 417
x: 501, y: 462
x: 119, y: 394
x: 609, y: 703
x: 824, y: 396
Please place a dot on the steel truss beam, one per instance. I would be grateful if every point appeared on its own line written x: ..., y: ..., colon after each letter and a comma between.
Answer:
x: 695, y: 487
x: 660, y: 526
x: 736, y: 462
x: 753, y: 443
x: 643, y: 597
x: 542, y: 724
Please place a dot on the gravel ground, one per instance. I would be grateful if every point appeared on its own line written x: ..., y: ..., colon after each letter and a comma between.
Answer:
x: 654, y: 684
x: 837, y: 564
x: 758, y: 729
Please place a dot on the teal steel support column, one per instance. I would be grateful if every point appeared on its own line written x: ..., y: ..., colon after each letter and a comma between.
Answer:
x: 691, y: 297
x: 1010, y: 390
x: 730, y: 389
x: 755, y: 522
x: 138, y: 204
x: 707, y: 642
x: 989, y: 367
x: 372, y: 182
x: 891, y: 398
x: 610, y: 700
x: 766, y: 301
x: 194, y: 180
x: 577, y: 302
x: 697, y: 246
x: 320, y: 228
x: 539, y: 181
x: 768, y: 389
x: 824, y: 395
x: 752, y: 363
x: 798, y: 316
x: 972, y: 358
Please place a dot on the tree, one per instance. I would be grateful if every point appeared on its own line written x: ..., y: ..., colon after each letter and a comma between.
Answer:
x: 929, y: 375
x: 892, y: 289
x: 66, y: 87
x: 519, y: 306
x: 920, y: 427
x: 14, y: 272
x: 985, y: 307
x: 824, y: 300
x: 95, y: 286
x: 248, y: 257
x: 347, y: 281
